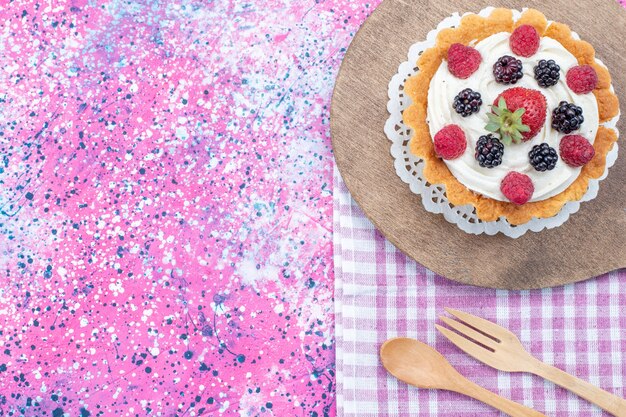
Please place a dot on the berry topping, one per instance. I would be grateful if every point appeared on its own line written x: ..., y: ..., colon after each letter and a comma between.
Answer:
x: 576, y: 151
x: 547, y: 73
x: 524, y: 41
x: 467, y: 102
x: 543, y: 157
x: 518, y: 188
x: 567, y: 117
x: 463, y: 60
x: 519, y: 116
x: 582, y: 79
x: 489, y: 151
x: 450, y: 142
x: 507, y: 70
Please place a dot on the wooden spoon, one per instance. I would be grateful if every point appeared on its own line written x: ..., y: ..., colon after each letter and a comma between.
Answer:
x: 420, y: 365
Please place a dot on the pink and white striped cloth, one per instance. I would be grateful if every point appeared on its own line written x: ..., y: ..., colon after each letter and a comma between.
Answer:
x: 380, y: 293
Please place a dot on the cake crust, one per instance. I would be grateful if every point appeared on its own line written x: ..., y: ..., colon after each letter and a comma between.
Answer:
x: 475, y: 27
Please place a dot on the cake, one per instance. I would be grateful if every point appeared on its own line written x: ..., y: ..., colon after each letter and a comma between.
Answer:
x: 508, y: 114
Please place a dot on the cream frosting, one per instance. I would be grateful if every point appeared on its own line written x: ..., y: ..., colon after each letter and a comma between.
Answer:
x: 444, y: 87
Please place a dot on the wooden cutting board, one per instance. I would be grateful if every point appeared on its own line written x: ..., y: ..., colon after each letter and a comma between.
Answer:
x: 591, y: 242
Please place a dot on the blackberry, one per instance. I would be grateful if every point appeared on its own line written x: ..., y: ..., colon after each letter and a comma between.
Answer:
x: 567, y: 117
x: 467, y: 102
x: 507, y: 70
x: 547, y: 73
x: 489, y: 151
x: 543, y: 157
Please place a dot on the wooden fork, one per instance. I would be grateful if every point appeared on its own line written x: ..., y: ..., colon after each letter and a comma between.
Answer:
x: 501, y: 349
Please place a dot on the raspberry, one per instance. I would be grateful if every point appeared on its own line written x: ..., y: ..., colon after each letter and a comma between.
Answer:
x: 463, y: 61
x: 518, y: 188
x: 450, y: 142
x: 524, y: 41
x: 576, y: 151
x: 582, y: 79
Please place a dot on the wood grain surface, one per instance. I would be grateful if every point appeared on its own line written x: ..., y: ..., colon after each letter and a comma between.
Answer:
x: 591, y: 242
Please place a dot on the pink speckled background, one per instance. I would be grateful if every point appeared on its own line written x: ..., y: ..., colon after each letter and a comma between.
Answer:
x: 166, y: 206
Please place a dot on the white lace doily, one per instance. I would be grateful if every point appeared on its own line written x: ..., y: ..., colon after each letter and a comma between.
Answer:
x: 409, y: 167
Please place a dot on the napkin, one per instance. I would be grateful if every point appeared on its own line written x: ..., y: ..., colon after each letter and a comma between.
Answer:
x: 380, y: 293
